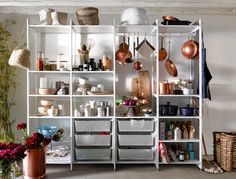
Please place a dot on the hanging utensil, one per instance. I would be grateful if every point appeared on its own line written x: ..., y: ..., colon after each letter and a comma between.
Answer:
x: 145, y: 48
x: 122, y: 53
x: 170, y: 66
x: 138, y: 65
x: 190, y: 49
x: 129, y: 54
x: 162, y: 51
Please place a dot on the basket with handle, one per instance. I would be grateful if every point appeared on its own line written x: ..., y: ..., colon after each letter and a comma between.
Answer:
x: 225, y: 150
x: 20, y: 57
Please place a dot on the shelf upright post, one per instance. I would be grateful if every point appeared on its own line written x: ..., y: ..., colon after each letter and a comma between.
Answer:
x: 200, y: 93
x: 114, y: 126
x: 71, y: 102
x: 27, y: 91
x: 157, y: 99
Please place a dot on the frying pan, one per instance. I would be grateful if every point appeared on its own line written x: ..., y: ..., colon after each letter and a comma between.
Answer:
x: 162, y: 52
x: 170, y: 66
x: 190, y: 49
x: 169, y: 18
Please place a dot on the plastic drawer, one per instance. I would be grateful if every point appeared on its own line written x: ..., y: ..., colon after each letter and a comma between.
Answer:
x: 136, y: 154
x: 136, y: 125
x: 92, y: 140
x: 92, y: 126
x: 136, y: 140
x: 93, y: 154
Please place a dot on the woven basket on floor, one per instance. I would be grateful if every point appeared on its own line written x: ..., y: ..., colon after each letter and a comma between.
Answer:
x: 225, y: 150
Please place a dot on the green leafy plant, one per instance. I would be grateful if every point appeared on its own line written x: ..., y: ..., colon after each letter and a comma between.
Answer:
x: 8, y: 83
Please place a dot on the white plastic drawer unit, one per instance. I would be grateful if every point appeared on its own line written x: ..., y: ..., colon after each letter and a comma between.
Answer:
x: 136, y: 154
x: 92, y: 126
x: 136, y: 125
x: 93, y: 154
x: 136, y: 140
x: 93, y: 140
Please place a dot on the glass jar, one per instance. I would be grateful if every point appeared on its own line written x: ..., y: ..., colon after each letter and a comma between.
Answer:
x: 182, y: 155
x: 53, y: 65
x: 40, y: 61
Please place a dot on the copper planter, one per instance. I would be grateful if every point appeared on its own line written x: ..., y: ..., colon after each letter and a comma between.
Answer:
x: 34, y: 165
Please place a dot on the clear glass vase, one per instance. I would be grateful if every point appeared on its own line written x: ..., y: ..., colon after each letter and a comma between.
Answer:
x: 9, y: 174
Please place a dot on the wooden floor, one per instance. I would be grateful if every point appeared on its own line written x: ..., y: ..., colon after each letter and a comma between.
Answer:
x: 132, y: 172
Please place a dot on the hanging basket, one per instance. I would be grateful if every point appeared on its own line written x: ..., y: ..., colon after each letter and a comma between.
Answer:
x: 20, y: 58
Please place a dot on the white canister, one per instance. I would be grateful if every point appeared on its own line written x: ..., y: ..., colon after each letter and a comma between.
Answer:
x: 99, y: 111
x: 43, y: 82
x: 177, y: 133
x: 100, y: 87
x: 76, y: 113
x: 87, y: 111
x: 61, y: 110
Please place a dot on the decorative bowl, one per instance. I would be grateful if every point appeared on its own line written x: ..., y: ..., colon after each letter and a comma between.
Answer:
x: 46, y: 102
x: 43, y: 110
x: 47, y: 131
x: 46, y: 91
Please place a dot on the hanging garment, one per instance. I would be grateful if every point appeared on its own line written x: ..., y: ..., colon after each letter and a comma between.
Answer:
x: 206, y: 74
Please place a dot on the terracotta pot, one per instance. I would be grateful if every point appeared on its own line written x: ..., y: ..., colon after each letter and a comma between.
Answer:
x: 34, y: 165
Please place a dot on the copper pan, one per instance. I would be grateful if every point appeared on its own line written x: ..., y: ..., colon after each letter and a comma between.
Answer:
x: 169, y: 18
x: 162, y: 52
x: 170, y: 66
x: 190, y: 49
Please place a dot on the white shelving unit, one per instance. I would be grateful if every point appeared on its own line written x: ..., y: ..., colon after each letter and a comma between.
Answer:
x: 67, y: 39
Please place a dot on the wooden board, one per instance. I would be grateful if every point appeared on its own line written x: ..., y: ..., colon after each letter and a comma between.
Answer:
x: 135, y: 87
x: 145, y: 85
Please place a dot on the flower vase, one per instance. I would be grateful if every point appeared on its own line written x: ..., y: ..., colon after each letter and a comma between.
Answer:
x: 34, y: 164
x: 131, y: 111
x: 7, y: 173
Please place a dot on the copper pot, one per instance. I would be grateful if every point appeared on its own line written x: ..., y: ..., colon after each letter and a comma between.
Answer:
x: 169, y: 18
x: 190, y: 49
x: 34, y: 165
x: 123, y: 55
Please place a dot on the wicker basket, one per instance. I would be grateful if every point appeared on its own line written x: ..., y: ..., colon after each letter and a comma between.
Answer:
x: 225, y: 150
x: 87, y: 16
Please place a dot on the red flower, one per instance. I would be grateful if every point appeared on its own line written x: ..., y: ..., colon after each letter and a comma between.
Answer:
x: 46, y: 141
x: 38, y: 137
x: 21, y: 126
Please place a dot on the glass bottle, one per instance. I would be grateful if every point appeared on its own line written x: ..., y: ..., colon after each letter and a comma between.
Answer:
x: 40, y: 61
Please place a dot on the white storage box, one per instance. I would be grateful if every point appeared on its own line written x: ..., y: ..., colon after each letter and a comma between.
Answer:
x: 93, y: 154
x: 92, y: 126
x: 136, y: 154
x: 136, y: 125
x: 92, y: 140
x: 135, y: 140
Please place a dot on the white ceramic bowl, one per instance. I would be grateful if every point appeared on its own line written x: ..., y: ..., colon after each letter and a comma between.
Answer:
x: 134, y: 16
x: 46, y: 91
x: 46, y: 102
x: 83, y: 80
x: 43, y: 110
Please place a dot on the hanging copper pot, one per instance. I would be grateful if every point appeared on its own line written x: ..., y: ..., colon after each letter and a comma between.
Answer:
x: 123, y: 54
x: 190, y: 49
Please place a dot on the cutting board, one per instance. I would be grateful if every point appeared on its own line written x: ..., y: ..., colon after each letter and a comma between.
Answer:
x: 135, y: 87
x: 144, y: 85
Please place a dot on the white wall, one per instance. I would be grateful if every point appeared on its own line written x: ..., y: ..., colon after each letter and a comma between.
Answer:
x: 219, y: 33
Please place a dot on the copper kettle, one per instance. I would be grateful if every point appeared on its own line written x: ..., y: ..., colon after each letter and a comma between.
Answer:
x: 190, y: 49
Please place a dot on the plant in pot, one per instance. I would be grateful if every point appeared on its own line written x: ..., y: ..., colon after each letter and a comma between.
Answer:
x: 8, y: 84
x: 34, y: 164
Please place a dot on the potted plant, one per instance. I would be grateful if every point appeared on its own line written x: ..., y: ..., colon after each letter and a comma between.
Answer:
x: 7, y: 84
x: 34, y: 164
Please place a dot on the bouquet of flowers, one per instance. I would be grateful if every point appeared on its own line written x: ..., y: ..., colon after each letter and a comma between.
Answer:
x: 37, y: 140
x: 132, y: 101
x: 9, y: 153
